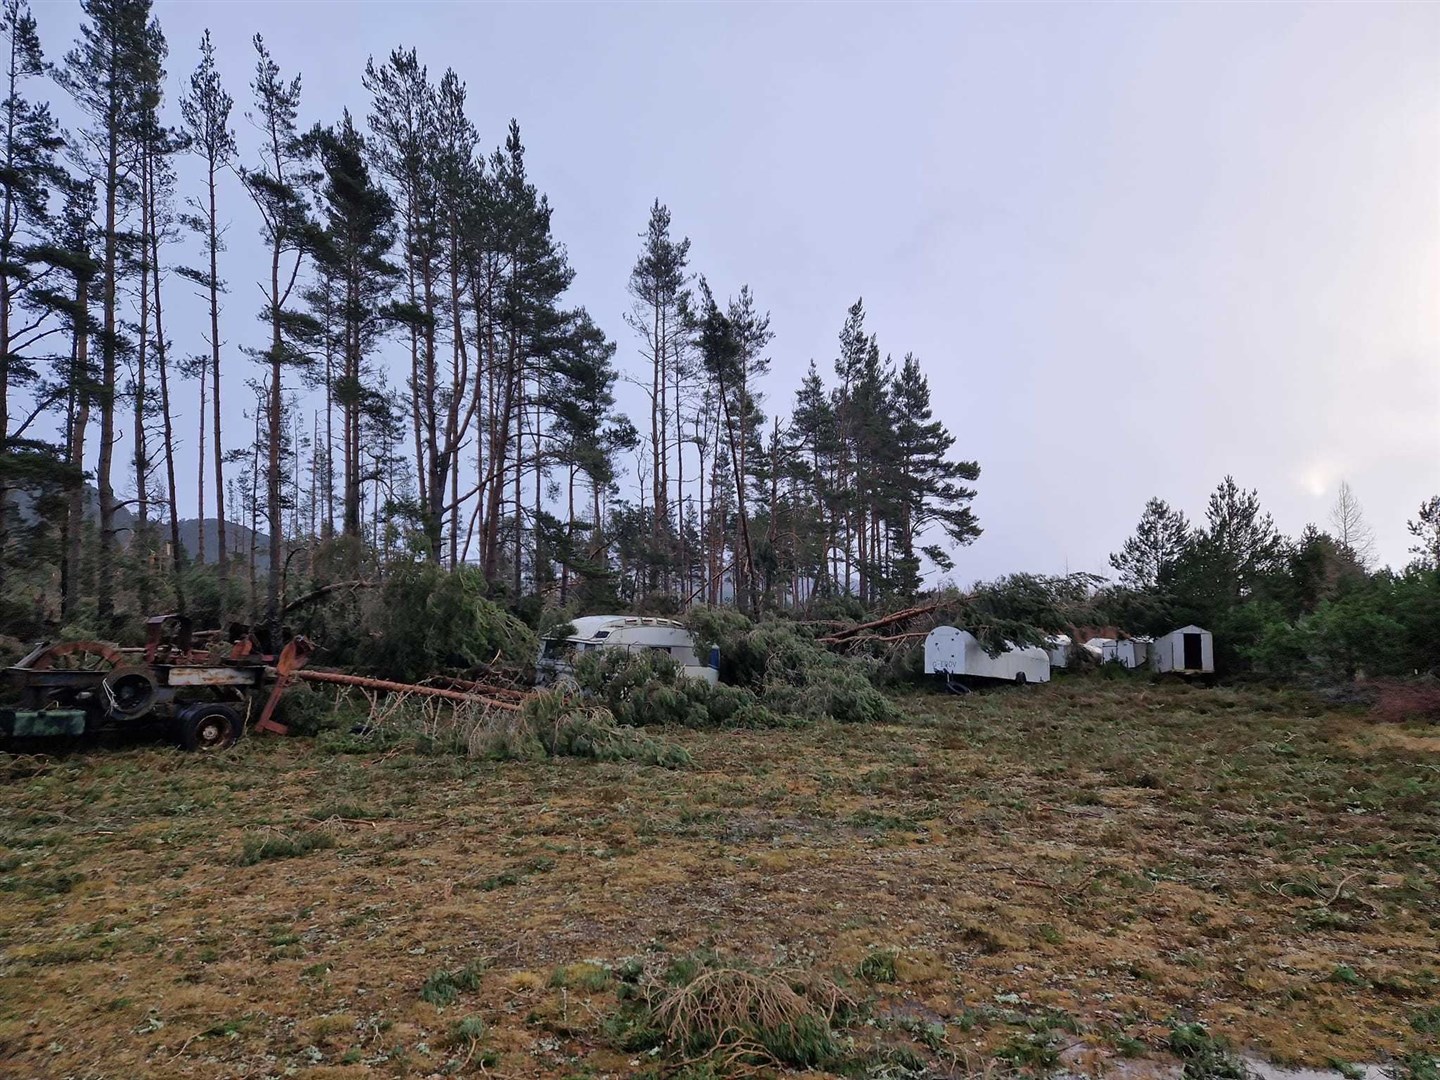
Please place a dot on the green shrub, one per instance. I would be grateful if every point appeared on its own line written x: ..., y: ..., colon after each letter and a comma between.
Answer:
x: 443, y: 987
x: 642, y: 688
x: 425, y: 620
x: 307, y: 710
x: 564, y: 723
x: 791, y: 673
x: 260, y: 848
x: 1205, y: 1056
x: 700, y: 1008
x: 646, y: 688
x: 878, y: 966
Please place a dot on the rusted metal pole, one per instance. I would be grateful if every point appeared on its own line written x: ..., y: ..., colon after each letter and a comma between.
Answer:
x: 404, y: 688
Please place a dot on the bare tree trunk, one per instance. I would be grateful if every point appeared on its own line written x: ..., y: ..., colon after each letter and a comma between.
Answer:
x: 275, y: 510
x: 79, y: 421
x: 105, y: 552
x: 260, y: 405
x: 200, y: 476
x: 140, y: 537
x: 177, y: 552
x: 221, y: 554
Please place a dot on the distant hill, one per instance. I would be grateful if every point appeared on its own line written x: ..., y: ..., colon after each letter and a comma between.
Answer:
x: 237, y: 536
x: 237, y: 540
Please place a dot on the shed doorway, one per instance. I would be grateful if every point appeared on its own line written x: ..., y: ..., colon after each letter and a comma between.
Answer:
x: 1193, y: 661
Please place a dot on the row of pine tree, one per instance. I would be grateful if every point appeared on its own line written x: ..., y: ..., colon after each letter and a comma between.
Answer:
x: 416, y: 384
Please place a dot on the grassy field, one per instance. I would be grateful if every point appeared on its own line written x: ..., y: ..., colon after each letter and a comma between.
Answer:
x: 1073, y: 876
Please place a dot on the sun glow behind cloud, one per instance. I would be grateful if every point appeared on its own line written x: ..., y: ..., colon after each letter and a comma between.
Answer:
x: 1317, y: 479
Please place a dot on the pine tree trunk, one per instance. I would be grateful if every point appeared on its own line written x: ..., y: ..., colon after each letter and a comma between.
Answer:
x: 140, y: 537
x: 519, y: 470
x: 680, y: 489
x: 79, y: 421
x: 459, y: 378
x: 255, y: 507
x: 434, y: 500
x: 275, y: 511
x: 7, y: 248
x: 221, y: 553
x: 105, y: 549
x: 177, y: 551
x: 200, y: 476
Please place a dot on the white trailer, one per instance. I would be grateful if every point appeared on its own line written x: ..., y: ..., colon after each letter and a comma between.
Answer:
x: 949, y: 651
x: 632, y: 633
x: 1187, y: 651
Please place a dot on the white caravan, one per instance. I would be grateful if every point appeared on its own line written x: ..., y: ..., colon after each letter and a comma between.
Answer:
x: 1187, y: 651
x: 949, y: 651
x: 632, y: 633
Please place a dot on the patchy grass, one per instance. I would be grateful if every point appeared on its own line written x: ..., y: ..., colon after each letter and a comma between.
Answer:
x: 999, y: 882
x: 443, y: 987
x: 258, y: 848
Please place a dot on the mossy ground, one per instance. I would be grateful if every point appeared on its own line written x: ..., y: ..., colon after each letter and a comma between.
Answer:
x: 1055, y: 874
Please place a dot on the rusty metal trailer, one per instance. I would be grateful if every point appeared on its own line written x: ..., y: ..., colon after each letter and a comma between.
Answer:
x: 204, y: 687
x: 198, y: 685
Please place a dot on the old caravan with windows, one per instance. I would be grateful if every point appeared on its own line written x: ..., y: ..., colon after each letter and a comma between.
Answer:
x: 632, y: 633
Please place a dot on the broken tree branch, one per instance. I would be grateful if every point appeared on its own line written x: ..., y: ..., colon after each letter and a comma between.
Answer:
x: 403, y: 688
x: 877, y: 624
x: 324, y: 591
x: 877, y: 639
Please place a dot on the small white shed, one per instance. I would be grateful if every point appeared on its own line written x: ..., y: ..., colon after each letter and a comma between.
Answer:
x: 1187, y: 651
x: 949, y: 651
x: 1133, y: 652
x: 1104, y: 649
x: 1057, y: 647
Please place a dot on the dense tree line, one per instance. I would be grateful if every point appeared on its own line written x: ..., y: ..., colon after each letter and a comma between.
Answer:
x: 417, y: 385
x: 1306, y: 605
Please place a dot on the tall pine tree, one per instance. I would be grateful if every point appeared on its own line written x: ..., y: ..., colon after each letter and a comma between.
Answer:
x: 277, y: 185
x: 206, y: 111
x: 106, y: 73
x: 352, y: 259
x: 30, y: 175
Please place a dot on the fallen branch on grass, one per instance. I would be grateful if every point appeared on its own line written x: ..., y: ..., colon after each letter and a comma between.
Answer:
x: 365, y: 683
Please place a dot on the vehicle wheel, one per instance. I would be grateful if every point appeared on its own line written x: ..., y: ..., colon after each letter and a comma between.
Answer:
x: 131, y: 693
x: 207, y: 727
x: 1019, y: 678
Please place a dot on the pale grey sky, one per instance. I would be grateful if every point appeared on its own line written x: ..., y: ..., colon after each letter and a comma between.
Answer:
x: 1136, y: 247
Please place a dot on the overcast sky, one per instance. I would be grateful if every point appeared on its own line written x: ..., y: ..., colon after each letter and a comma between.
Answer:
x: 1135, y: 247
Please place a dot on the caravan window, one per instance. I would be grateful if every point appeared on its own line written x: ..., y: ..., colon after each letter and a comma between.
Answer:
x: 660, y: 648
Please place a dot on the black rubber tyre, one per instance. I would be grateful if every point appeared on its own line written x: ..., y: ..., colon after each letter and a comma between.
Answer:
x: 1019, y: 678
x: 207, y: 727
